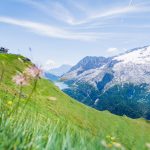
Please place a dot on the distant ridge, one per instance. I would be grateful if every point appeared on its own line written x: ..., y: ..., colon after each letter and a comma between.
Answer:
x: 120, y: 84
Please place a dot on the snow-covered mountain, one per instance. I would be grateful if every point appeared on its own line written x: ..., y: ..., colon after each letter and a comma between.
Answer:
x: 130, y: 67
x: 120, y: 84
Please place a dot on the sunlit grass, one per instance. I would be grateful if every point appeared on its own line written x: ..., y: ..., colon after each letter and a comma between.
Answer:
x: 52, y: 120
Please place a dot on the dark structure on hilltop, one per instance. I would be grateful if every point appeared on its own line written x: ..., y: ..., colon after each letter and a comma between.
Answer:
x: 3, y: 50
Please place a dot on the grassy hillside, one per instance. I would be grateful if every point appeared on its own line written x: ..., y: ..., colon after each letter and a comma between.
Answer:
x: 52, y: 120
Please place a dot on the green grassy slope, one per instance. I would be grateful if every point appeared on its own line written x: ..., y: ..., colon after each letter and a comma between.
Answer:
x: 60, y: 121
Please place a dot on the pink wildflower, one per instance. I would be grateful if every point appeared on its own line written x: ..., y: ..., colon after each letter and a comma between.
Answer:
x: 20, y: 79
x: 34, y: 72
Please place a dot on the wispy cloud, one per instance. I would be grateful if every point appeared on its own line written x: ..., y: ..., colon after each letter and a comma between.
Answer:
x: 62, y: 13
x: 109, y: 13
x: 112, y: 50
x: 52, y: 31
x: 51, y: 8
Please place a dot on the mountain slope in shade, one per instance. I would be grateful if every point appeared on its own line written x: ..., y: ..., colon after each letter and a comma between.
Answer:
x: 126, y: 72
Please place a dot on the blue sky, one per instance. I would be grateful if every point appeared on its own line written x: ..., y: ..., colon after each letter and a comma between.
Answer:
x: 65, y: 31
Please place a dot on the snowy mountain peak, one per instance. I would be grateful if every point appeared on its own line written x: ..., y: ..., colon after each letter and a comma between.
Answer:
x: 137, y: 56
x: 90, y: 62
x: 130, y: 67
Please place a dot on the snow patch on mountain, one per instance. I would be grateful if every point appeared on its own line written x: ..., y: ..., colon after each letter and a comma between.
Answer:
x: 130, y: 67
x: 139, y: 56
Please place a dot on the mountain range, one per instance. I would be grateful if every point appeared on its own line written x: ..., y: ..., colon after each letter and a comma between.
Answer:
x: 119, y: 84
x: 59, y: 71
x: 55, y: 73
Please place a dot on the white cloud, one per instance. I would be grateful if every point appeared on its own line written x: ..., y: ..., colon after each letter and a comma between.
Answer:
x: 62, y: 13
x: 112, y: 50
x: 109, y: 13
x: 49, y: 64
x: 98, y: 15
x: 51, y: 31
x: 53, y: 9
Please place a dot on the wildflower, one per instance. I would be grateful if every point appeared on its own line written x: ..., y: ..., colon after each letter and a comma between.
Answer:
x: 20, y: 79
x: 9, y: 103
x: 34, y: 72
